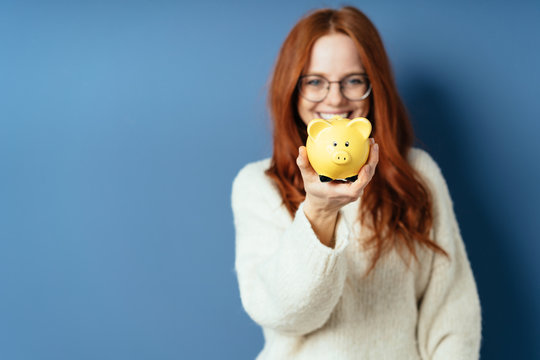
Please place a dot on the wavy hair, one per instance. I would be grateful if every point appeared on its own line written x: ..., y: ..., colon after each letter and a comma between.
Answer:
x: 396, y: 201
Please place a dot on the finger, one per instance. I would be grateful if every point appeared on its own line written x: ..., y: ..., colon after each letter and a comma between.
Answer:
x: 367, y: 171
x: 372, y: 162
x: 373, y: 159
x: 301, y: 160
x: 303, y: 163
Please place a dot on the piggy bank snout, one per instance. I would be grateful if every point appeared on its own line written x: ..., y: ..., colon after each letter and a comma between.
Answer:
x: 341, y: 157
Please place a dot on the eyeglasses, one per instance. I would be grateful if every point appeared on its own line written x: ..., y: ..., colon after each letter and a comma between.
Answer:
x: 315, y: 88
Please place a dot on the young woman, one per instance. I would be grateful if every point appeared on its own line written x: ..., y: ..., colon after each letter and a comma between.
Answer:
x: 371, y: 269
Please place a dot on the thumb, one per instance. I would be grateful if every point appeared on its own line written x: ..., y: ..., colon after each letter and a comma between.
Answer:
x: 303, y: 163
x: 301, y: 160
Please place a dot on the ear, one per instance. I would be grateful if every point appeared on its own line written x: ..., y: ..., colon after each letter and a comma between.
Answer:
x: 361, y: 125
x: 315, y: 127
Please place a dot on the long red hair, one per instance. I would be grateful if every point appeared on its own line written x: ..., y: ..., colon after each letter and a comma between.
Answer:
x: 396, y: 201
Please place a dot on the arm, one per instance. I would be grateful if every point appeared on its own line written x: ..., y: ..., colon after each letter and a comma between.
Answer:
x: 323, y: 224
x: 449, y: 324
x: 323, y: 201
x: 289, y: 281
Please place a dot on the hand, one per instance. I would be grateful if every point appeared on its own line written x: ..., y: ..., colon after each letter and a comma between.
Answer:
x: 329, y: 197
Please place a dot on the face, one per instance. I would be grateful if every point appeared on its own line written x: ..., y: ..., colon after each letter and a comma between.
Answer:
x: 333, y: 56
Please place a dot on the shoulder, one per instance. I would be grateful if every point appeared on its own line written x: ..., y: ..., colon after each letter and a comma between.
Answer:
x: 430, y: 172
x: 252, y: 183
x: 253, y: 170
x: 422, y: 161
x: 427, y: 168
x: 443, y: 207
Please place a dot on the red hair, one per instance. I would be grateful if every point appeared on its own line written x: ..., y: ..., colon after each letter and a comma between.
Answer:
x: 396, y: 201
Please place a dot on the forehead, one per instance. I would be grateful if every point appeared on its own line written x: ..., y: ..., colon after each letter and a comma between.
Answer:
x: 334, y: 55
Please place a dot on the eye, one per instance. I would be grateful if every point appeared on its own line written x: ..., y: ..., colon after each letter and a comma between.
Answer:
x: 335, y: 143
x: 346, y: 143
x: 313, y: 82
x: 354, y: 81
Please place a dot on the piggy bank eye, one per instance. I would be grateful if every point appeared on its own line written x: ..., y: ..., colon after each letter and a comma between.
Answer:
x: 346, y: 143
x: 335, y: 143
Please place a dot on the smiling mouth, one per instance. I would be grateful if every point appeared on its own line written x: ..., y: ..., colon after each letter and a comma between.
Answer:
x: 327, y: 116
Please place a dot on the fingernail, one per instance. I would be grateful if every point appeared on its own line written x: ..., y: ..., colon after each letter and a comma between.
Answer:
x: 372, y: 140
x: 376, y: 147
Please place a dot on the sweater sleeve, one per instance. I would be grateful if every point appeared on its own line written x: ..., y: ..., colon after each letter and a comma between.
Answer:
x: 288, y: 280
x: 449, y: 324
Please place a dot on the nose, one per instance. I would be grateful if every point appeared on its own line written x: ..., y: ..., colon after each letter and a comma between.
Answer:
x: 334, y: 97
x: 341, y: 157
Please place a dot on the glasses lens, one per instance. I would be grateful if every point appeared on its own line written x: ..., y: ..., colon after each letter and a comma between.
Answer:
x: 356, y: 87
x: 313, y: 87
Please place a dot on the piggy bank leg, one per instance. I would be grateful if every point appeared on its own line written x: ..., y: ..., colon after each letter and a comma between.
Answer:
x: 324, y: 178
x: 352, y: 178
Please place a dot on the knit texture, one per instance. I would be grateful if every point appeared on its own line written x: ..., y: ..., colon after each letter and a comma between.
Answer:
x: 314, y: 302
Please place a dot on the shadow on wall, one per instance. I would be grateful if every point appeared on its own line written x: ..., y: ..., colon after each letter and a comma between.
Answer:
x: 507, y: 327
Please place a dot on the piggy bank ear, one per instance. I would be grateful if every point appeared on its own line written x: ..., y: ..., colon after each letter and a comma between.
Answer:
x: 315, y: 127
x: 362, y: 125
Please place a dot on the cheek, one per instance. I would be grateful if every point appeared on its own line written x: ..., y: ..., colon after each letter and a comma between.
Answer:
x: 304, y: 106
x: 363, y: 108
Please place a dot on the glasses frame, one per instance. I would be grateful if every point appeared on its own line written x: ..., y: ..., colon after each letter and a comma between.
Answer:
x: 299, y: 87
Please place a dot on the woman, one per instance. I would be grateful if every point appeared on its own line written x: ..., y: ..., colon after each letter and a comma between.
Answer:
x: 371, y: 269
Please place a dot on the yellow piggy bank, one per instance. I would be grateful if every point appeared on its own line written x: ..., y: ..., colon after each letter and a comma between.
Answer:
x: 337, y: 148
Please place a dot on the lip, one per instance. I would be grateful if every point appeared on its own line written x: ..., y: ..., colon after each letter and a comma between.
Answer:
x: 349, y: 112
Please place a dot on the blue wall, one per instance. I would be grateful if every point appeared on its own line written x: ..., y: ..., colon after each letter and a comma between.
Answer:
x: 122, y: 125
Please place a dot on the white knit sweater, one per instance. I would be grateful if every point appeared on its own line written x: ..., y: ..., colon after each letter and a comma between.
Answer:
x: 314, y: 302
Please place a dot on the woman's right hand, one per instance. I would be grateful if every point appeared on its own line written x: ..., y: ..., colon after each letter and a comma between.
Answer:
x: 330, y: 197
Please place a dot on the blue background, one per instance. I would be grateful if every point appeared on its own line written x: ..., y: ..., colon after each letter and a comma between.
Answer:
x: 123, y: 124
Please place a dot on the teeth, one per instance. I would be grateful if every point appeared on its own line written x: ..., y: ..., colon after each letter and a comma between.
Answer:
x: 326, y: 116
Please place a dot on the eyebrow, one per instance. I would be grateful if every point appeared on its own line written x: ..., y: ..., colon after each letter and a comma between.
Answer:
x: 326, y: 75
